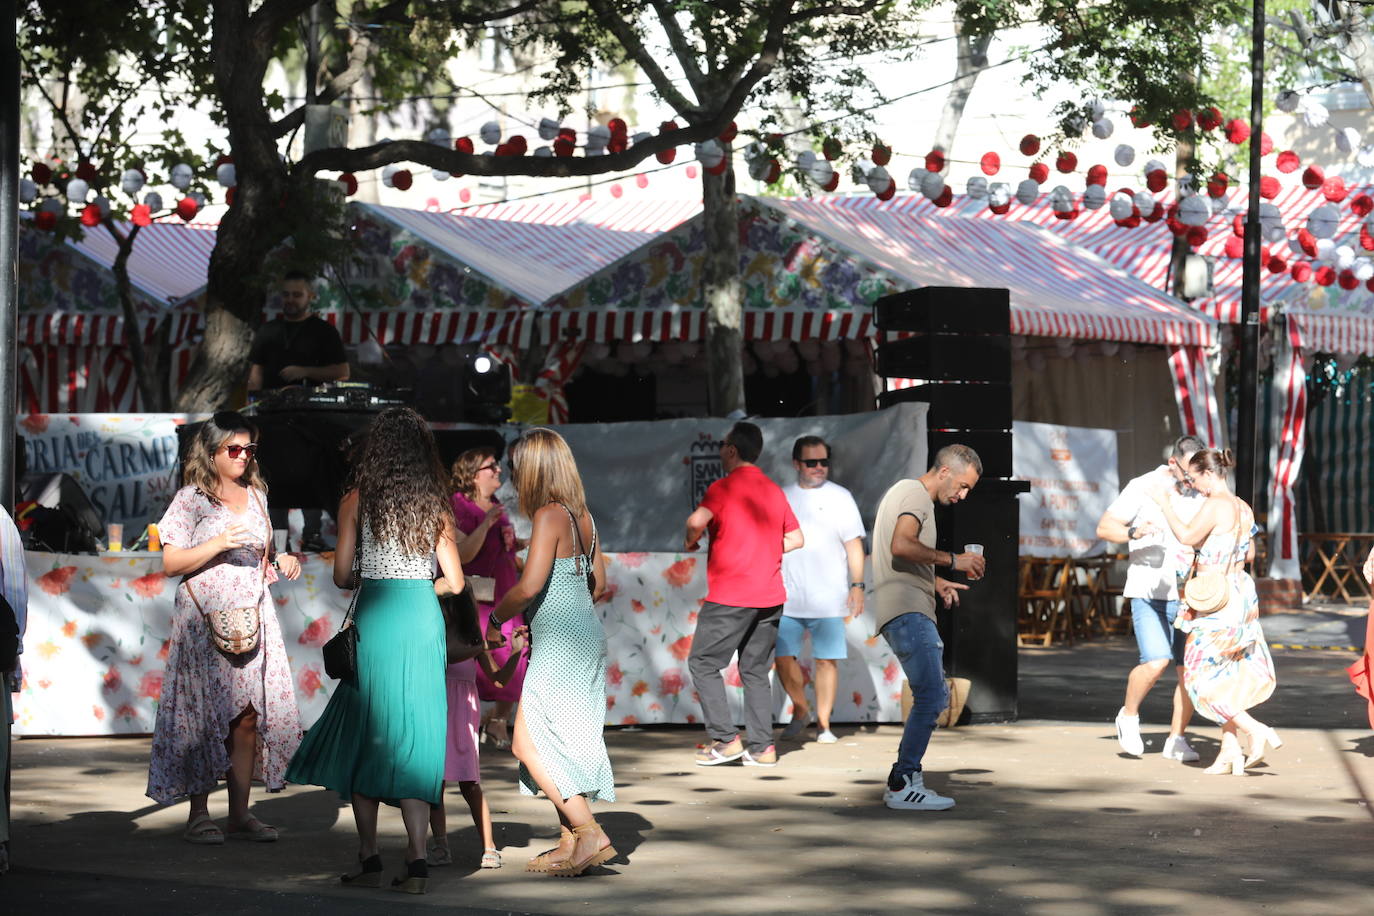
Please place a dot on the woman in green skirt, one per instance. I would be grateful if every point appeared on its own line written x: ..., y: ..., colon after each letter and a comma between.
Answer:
x: 381, y: 738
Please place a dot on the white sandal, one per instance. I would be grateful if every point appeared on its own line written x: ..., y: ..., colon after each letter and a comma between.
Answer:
x: 491, y: 858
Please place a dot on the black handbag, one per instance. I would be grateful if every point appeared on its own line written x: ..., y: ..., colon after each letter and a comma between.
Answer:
x: 341, y: 652
x: 462, y: 626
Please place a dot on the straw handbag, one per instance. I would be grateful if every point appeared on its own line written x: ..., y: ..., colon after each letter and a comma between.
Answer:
x: 1209, y: 592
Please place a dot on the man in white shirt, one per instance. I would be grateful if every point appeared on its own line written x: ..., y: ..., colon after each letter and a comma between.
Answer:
x: 1157, y: 560
x: 14, y: 587
x: 825, y: 584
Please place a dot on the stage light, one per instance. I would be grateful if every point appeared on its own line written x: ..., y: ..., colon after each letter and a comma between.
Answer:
x: 486, y: 390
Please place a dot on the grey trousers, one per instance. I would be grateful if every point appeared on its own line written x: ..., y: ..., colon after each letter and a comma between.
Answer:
x: 721, y: 632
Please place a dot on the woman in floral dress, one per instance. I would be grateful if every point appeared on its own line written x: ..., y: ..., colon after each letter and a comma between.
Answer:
x: 1227, y: 668
x: 230, y: 717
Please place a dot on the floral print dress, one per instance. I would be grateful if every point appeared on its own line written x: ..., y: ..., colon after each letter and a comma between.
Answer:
x: 204, y: 690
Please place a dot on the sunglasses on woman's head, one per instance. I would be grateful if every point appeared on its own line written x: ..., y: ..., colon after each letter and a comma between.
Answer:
x: 235, y: 450
x: 815, y: 462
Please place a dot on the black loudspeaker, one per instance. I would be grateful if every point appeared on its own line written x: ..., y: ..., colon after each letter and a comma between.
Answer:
x: 980, y: 634
x: 64, y: 521
x: 945, y: 310
x: 993, y: 447
x: 943, y: 357
x: 956, y: 405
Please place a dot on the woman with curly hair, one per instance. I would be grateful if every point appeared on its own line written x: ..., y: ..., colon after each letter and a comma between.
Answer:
x: 489, y: 549
x: 559, y: 729
x: 222, y: 716
x: 381, y: 738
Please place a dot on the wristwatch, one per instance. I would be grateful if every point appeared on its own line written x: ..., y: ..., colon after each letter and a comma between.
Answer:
x: 1130, y: 532
x: 856, y: 585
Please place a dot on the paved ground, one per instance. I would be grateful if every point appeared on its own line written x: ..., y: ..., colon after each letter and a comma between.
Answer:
x: 1052, y: 819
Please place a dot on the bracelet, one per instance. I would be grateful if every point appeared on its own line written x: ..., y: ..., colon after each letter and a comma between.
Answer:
x: 856, y: 585
x: 492, y: 622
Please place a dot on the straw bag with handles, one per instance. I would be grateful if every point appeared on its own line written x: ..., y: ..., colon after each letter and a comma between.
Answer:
x: 1209, y: 592
x: 235, y: 630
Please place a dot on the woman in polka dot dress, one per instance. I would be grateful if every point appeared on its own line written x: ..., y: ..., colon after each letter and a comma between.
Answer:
x: 558, y: 729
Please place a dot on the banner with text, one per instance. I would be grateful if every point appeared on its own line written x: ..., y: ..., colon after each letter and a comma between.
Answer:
x: 1073, y: 478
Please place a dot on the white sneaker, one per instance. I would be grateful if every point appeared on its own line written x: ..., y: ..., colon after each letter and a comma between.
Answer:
x: 1177, y: 748
x: 913, y: 795
x: 1128, y: 734
x: 826, y: 737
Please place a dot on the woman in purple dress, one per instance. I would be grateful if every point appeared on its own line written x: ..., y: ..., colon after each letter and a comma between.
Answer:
x: 489, y: 551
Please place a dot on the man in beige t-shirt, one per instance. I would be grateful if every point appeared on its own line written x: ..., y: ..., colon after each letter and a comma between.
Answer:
x: 905, y: 588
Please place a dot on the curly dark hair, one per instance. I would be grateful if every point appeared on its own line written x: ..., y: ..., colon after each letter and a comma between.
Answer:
x: 402, y: 487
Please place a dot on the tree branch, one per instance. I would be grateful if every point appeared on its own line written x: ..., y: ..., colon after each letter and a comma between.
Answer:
x: 834, y: 9
x: 678, y: 41
x: 60, y: 113
x: 624, y: 33
x: 484, y: 18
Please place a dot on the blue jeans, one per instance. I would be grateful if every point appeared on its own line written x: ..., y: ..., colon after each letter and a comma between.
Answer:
x: 916, y: 642
x: 1155, y: 636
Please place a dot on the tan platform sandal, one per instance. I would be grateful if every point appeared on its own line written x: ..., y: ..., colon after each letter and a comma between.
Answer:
x: 545, y: 860
x: 571, y: 869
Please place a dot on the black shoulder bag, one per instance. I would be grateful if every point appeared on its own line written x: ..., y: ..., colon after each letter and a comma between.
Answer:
x: 462, y: 625
x: 341, y: 652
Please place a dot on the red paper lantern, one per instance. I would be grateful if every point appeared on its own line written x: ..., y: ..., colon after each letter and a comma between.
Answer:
x: 1197, y: 235
x: 41, y: 173
x: 401, y: 179
x: 1066, y: 214
x: 618, y: 126
x: 666, y: 156
x: 87, y: 173
x: 833, y: 182
x: 774, y: 172
x: 187, y: 209
x: 1039, y: 172
x: 935, y: 161
x: 1361, y: 205
x: 1066, y: 162
x: 1301, y: 271
x: 1217, y: 184
x: 350, y: 183
x: 990, y: 163
x: 720, y: 167
x: 90, y: 215
x: 141, y: 215
x: 1157, y: 180
x: 1307, y: 242
x: 463, y: 145
x: 1183, y: 119
x: 1129, y: 222
x: 882, y: 154
x: 1333, y: 189
x: 1238, y: 225
x: 1237, y: 131
x: 1097, y: 174
x: 1000, y: 209
x: 1312, y: 177
x: 517, y: 145
x: 1269, y: 187
x: 1369, y: 284
x: 1030, y: 145
x: 1138, y: 118
x: 1209, y: 118
x: 1276, y: 265
x: 1325, y: 275
x: 726, y: 136
x: 565, y: 144
x: 1347, y: 279
x: 944, y: 200
x: 1287, y: 162
x: 45, y: 220
x: 831, y: 148
x: 1266, y: 144
x: 1156, y: 214
x: 1366, y: 240
x: 891, y: 189
x: 229, y: 196
x: 1234, y: 247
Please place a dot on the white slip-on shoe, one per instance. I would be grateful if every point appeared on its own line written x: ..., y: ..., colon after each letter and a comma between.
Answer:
x: 1178, y: 748
x: 826, y: 737
x: 911, y: 794
x: 1128, y: 734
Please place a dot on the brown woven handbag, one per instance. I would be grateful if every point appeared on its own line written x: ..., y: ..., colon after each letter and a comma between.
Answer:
x: 236, y: 630
x: 1209, y: 592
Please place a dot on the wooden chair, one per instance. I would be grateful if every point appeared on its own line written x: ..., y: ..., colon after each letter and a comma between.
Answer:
x: 1045, y: 600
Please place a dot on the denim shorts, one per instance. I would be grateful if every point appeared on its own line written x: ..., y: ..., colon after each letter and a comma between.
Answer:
x: 827, y: 636
x: 1153, y: 620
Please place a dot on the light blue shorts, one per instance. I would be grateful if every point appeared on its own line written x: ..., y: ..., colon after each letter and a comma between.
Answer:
x: 827, y: 636
x: 1155, y: 636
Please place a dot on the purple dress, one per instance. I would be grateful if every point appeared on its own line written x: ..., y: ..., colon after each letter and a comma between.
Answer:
x: 496, y: 560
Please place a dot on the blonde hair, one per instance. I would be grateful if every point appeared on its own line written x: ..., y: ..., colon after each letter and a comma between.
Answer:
x: 463, y: 473
x: 546, y: 472
x: 198, y: 469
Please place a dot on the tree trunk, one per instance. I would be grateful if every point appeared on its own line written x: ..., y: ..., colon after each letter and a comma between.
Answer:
x: 151, y: 359
x: 722, y: 292
x: 973, y: 55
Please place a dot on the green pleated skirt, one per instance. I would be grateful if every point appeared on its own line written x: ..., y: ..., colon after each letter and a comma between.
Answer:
x: 382, y: 734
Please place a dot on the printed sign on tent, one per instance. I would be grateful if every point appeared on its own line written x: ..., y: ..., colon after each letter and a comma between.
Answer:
x: 1073, y: 478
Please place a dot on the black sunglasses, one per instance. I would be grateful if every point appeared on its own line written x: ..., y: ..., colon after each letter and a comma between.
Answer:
x: 235, y: 450
x: 494, y: 466
x: 814, y: 462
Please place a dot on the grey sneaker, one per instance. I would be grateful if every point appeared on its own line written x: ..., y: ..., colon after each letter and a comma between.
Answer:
x: 796, y: 726
x: 718, y: 752
x: 768, y: 757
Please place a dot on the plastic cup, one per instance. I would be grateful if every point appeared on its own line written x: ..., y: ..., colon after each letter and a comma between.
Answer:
x: 974, y: 548
x: 154, y: 539
x: 114, y: 535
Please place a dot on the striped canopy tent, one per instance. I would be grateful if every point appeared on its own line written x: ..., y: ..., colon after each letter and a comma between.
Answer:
x: 71, y: 327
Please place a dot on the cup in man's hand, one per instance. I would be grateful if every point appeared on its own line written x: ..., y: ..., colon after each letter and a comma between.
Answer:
x: 975, y: 571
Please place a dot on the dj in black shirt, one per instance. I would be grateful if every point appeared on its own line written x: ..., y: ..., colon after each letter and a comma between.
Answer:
x: 298, y: 347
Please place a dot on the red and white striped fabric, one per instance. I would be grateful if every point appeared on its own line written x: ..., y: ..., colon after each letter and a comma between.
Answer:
x: 1195, y: 391
x: 1285, y: 455
x: 67, y: 329
x: 506, y: 326
x: 562, y: 361
x: 76, y: 379
x: 1332, y: 331
x: 168, y: 263
x: 608, y: 325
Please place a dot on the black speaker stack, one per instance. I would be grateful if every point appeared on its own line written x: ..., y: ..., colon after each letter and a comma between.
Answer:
x: 959, y: 348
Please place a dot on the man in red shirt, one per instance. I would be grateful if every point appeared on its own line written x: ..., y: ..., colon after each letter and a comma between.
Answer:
x: 751, y: 527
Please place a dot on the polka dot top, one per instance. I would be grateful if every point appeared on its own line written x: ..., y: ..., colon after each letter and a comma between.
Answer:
x: 387, y: 561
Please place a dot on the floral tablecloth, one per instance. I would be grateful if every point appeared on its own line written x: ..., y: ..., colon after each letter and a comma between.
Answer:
x: 98, y: 626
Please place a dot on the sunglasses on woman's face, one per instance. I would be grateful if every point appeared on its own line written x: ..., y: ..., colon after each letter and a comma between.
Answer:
x: 235, y: 450
x: 493, y: 467
x: 815, y: 462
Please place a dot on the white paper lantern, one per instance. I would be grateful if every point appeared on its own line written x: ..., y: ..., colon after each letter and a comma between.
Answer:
x: 1122, y: 205
x: 1288, y: 100
x: 131, y: 181
x: 200, y: 199
x: 490, y: 133
x: 977, y: 187
x: 1326, y: 249
x: 1344, y: 256
x: 1347, y: 139
x: 1124, y: 154
x: 1145, y: 202
x: 1094, y: 197
x: 439, y: 136
x: 1314, y: 113
x: 1193, y: 211
x: 78, y: 190
x: 103, y: 204
x: 758, y: 168
x: 915, y: 177
x: 1154, y: 165
x: 439, y: 175
x: 226, y: 175
x: 1103, y: 128
x: 1365, y: 156
x: 1095, y: 109
x: 1027, y: 191
x: 153, y: 201
x: 877, y: 179
x: 28, y: 191
x: 821, y: 172
x: 597, y: 138
x: 1271, y: 222
x: 933, y: 185
x: 1296, y: 247
x: 999, y: 194
x: 1220, y: 204
x: 1075, y: 124
x: 50, y: 205
x: 1364, y: 269
x: 388, y: 173
x: 1323, y: 221
x: 181, y: 176
x: 709, y: 153
x: 548, y: 128
x: 543, y: 152
x: 641, y: 136
x: 1061, y: 199
x: 805, y: 160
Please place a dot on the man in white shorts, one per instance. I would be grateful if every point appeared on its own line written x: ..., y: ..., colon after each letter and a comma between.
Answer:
x: 825, y: 584
x: 1157, y: 559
